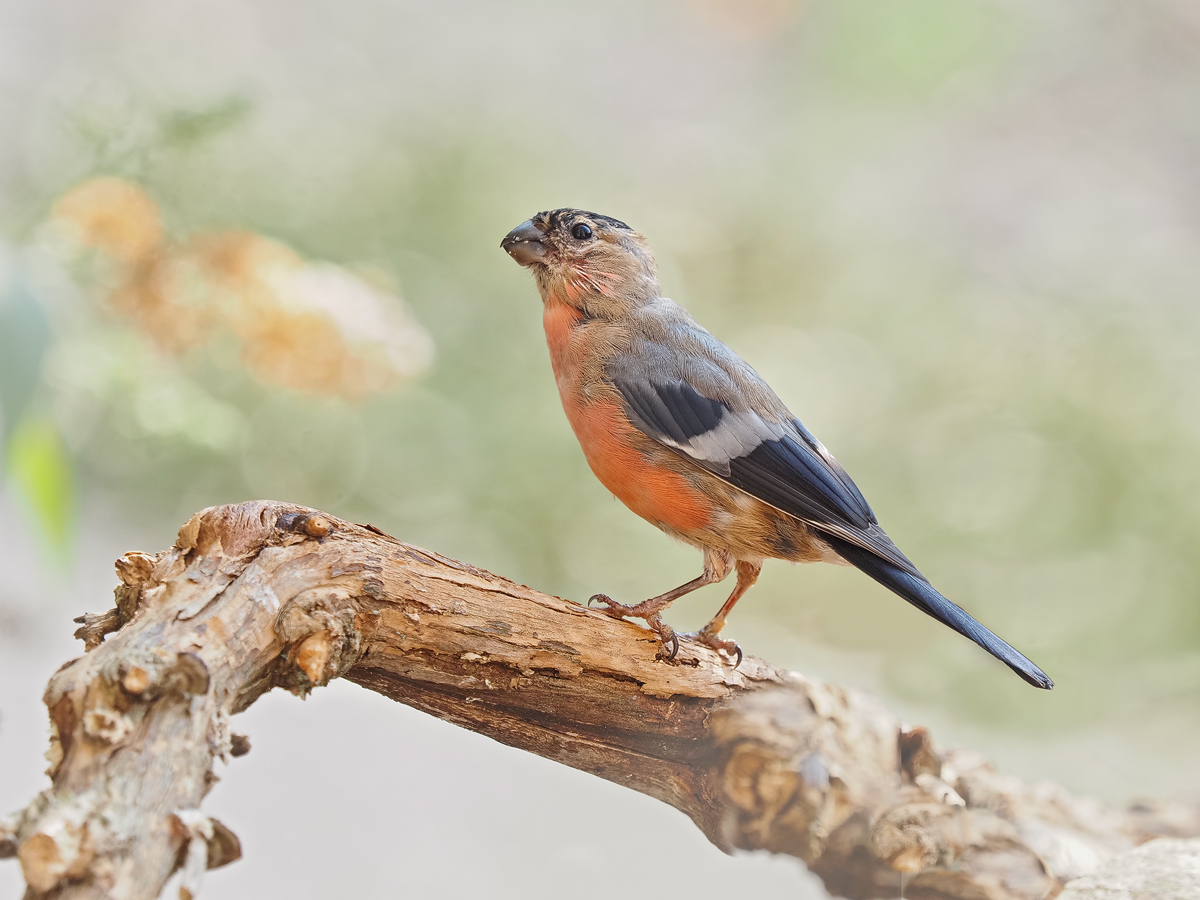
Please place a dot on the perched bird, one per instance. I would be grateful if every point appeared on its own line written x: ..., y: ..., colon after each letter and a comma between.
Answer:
x: 689, y: 437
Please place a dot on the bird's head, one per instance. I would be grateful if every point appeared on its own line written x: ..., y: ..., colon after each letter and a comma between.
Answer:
x: 592, y: 262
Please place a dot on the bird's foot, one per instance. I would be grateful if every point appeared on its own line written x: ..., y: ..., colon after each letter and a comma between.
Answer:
x: 647, y: 610
x: 724, y: 649
x: 610, y: 606
x: 642, y: 610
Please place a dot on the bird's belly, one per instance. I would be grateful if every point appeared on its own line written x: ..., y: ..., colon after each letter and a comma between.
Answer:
x: 653, y: 491
x: 751, y: 529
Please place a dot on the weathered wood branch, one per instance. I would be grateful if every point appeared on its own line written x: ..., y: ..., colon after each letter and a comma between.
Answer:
x: 260, y: 595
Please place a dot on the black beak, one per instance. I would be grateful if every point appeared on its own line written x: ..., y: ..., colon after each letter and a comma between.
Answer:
x: 524, y: 243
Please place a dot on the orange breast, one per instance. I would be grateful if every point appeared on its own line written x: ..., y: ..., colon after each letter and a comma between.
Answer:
x: 607, y: 437
x: 653, y: 492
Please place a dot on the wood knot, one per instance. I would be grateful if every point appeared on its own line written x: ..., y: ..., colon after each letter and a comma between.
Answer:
x: 150, y: 675
x: 312, y: 656
x: 189, y: 675
x: 135, y: 680
x: 324, y: 641
x: 757, y: 781
x: 313, y: 525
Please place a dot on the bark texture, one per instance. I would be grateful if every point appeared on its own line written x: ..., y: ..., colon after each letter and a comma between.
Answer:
x: 262, y: 594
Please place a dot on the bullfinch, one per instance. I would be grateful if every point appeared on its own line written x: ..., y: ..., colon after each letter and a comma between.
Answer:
x: 687, y: 435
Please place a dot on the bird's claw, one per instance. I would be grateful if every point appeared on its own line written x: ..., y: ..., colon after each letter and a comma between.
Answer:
x: 609, y: 605
x: 673, y: 641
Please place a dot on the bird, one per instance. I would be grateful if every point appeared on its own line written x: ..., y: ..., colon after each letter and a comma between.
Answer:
x: 689, y: 437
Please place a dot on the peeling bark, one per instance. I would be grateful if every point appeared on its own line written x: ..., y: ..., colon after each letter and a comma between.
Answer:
x: 261, y: 595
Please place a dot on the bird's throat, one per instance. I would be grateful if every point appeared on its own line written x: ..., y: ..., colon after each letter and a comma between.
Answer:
x: 558, y: 319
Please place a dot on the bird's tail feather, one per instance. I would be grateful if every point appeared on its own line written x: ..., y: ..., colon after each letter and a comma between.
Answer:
x: 923, y: 596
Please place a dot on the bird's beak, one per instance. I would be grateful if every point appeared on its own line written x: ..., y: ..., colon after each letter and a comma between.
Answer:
x: 524, y: 243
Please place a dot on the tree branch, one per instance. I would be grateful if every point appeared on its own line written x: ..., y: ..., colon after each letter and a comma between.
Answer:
x: 262, y: 594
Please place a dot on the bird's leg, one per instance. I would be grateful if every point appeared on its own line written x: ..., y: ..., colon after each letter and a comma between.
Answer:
x: 747, y: 574
x: 717, y: 565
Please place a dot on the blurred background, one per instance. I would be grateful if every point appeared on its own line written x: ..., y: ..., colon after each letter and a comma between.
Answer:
x: 251, y: 250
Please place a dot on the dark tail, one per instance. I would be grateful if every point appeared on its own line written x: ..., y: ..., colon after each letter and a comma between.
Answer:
x: 923, y: 596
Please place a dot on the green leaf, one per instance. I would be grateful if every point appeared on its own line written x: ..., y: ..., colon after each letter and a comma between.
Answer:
x: 40, y: 469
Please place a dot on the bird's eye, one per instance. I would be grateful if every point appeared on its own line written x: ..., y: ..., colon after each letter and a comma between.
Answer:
x: 581, y: 232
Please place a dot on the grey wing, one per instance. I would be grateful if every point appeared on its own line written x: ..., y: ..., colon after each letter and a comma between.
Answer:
x: 692, y: 393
